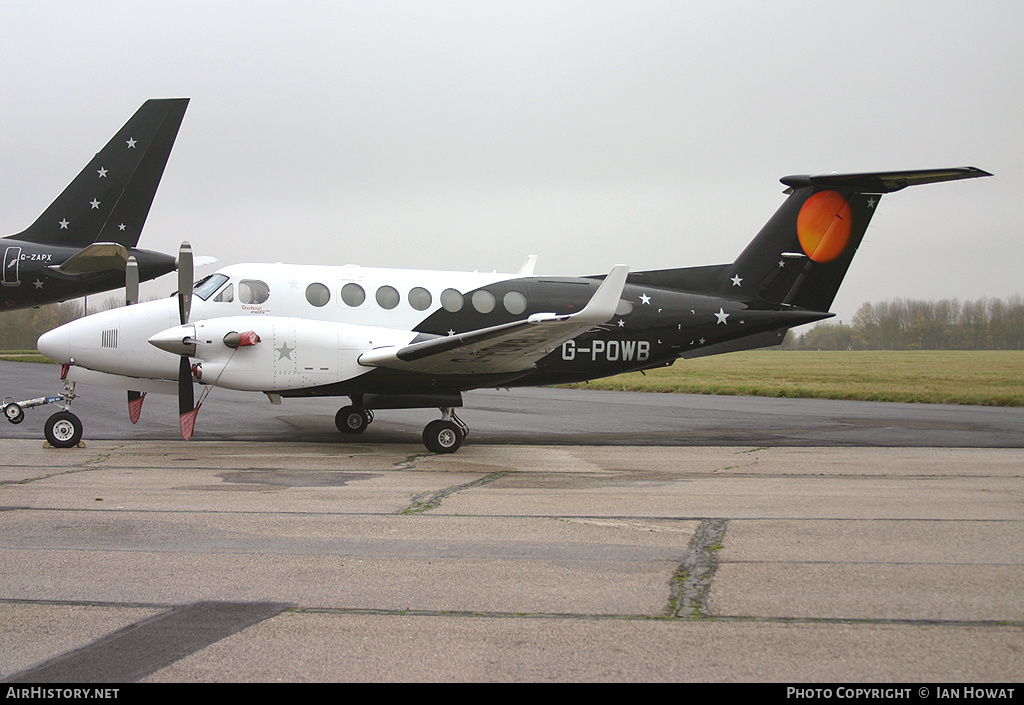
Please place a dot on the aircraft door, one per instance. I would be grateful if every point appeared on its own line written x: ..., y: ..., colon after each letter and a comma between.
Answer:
x: 12, y: 258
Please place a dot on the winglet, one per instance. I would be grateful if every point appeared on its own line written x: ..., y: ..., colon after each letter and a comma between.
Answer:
x: 602, y: 305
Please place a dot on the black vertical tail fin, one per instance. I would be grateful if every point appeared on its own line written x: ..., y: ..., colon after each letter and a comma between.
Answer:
x: 110, y: 199
x: 802, y: 254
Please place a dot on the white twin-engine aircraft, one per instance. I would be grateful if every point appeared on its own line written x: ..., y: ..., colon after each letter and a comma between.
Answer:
x: 391, y: 338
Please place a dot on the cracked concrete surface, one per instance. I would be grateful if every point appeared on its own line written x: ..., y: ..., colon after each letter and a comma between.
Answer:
x: 522, y: 563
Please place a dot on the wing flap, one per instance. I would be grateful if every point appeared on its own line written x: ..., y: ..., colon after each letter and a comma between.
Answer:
x: 510, y: 347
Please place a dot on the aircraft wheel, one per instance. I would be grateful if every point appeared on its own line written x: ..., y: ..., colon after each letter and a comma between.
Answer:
x: 352, y: 419
x: 63, y: 430
x: 442, y: 437
x: 14, y: 413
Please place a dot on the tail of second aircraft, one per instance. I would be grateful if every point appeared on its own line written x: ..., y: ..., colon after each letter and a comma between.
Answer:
x: 109, y: 200
x: 802, y: 254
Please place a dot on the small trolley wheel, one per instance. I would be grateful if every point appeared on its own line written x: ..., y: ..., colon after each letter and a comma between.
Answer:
x: 442, y: 437
x: 352, y: 419
x: 14, y: 413
x: 63, y: 430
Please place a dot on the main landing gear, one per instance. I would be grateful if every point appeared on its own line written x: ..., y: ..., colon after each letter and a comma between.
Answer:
x: 446, y: 434
x: 63, y: 429
x: 443, y: 435
x: 353, y: 419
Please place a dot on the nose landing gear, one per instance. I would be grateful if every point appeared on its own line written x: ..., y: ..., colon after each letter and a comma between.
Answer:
x: 63, y: 429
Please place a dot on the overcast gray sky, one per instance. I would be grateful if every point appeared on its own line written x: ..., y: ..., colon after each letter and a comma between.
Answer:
x: 468, y: 135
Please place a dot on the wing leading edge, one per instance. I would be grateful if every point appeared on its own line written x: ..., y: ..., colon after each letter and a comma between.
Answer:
x: 511, y: 347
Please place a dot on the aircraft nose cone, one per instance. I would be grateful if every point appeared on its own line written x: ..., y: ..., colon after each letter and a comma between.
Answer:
x: 56, y: 344
x: 177, y: 340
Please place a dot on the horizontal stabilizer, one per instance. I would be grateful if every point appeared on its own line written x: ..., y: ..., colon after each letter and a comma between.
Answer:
x: 884, y: 181
x: 98, y: 257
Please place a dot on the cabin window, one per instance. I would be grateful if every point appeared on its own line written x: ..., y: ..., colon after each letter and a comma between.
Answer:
x: 387, y: 297
x: 208, y: 285
x: 253, y: 291
x: 226, y: 295
x: 353, y: 294
x: 420, y: 299
x: 515, y: 302
x: 452, y: 300
x: 483, y: 301
x: 318, y: 294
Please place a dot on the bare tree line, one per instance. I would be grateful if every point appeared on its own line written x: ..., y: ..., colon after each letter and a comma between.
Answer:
x: 19, y: 330
x: 909, y: 324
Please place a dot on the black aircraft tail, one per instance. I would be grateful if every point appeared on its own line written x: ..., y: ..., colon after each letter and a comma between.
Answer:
x: 802, y: 254
x: 110, y: 199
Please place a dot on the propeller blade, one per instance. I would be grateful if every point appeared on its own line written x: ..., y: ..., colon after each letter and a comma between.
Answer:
x: 131, y: 282
x: 185, y: 273
x: 186, y: 398
x: 187, y: 408
x: 188, y: 423
x: 135, y: 400
x: 131, y: 297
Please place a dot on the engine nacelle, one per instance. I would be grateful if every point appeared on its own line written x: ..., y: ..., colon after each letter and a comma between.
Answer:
x: 273, y: 353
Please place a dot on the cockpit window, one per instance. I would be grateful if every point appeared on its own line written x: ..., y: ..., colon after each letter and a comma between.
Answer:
x: 253, y: 291
x: 208, y: 285
x: 226, y: 295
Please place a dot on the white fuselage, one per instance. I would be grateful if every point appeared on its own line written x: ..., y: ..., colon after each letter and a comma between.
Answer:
x: 313, y: 321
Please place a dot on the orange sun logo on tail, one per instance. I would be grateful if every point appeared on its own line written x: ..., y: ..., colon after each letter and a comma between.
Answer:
x: 823, y: 226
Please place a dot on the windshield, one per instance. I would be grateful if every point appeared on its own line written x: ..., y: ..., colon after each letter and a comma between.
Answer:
x: 210, y: 284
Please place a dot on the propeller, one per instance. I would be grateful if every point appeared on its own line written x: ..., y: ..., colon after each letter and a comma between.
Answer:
x: 131, y: 282
x: 131, y: 296
x: 187, y: 408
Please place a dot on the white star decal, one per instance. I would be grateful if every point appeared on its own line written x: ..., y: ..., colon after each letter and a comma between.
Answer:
x: 701, y: 341
x: 645, y: 299
x: 622, y: 323
x: 122, y: 226
x: 102, y: 172
x: 39, y: 284
x: 736, y: 280
x: 63, y: 224
x: 782, y: 263
x: 872, y: 201
x: 131, y: 143
x: 94, y: 203
x: 721, y: 316
x: 451, y: 332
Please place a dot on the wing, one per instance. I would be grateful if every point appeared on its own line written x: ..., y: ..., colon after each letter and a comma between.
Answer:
x: 511, y: 347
